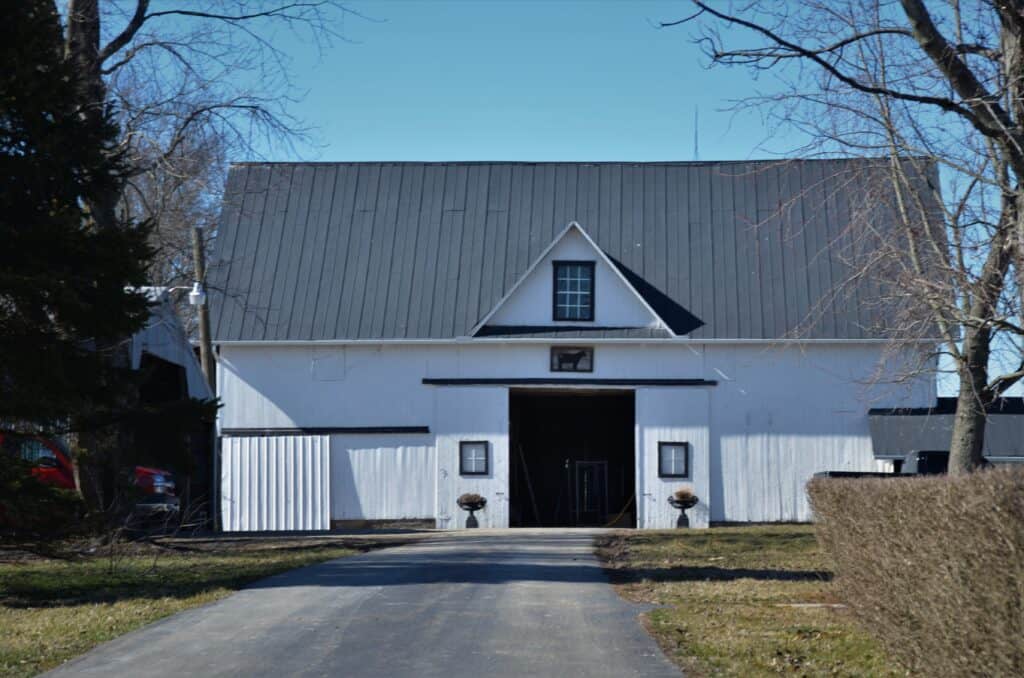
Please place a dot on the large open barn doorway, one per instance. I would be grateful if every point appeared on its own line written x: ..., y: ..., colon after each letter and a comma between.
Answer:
x: 572, y: 459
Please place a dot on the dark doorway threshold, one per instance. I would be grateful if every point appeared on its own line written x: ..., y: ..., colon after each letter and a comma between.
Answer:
x: 572, y: 458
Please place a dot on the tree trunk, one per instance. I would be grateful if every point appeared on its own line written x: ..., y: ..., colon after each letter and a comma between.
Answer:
x: 965, y: 448
x: 82, y: 50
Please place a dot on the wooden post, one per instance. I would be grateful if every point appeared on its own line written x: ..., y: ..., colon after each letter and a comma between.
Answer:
x: 205, y: 343
x: 209, y: 366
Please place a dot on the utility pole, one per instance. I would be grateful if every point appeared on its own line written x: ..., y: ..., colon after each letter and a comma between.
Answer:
x: 209, y: 366
x: 205, y: 343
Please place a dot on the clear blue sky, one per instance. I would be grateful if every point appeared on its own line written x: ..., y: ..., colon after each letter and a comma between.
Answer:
x: 527, y: 80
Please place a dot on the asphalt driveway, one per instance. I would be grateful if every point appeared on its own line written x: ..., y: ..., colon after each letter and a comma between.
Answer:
x: 482, y: 604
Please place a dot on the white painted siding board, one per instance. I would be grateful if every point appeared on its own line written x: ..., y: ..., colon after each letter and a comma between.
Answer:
x: 777, y: 414
x: 672, y: 415
x: 471, y: 413
x: 616, y: 305
x: 380, y: 477
x: 781, y: 415
x: 275, y: 483
x: 274, y: 387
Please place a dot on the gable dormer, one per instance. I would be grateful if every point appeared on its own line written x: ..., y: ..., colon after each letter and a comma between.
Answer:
x: 572, y: 283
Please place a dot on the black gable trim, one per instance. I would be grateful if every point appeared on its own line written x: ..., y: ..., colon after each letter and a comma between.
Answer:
x: 572, y: 331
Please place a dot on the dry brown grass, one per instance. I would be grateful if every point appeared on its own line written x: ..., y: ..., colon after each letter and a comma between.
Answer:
x: 742, y: 601
x: 933, y: 566
x: 53, y: 610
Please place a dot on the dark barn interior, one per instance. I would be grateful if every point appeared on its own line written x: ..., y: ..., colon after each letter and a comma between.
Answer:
x: 572, y: 460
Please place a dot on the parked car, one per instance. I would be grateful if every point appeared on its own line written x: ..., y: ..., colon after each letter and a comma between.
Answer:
x: 917, y: 463
x: 51, y: 464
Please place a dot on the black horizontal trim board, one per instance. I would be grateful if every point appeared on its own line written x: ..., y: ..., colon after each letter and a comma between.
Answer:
x: 549, y: 381
x: 601, y: 332
x: 1008, y: 405
x: 322, y: 430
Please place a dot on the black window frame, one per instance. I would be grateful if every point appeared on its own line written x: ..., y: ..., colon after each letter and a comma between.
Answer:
x: 487, y: 458
x: 554, y: 289
x: 552, y: 365
x: 662, y: 473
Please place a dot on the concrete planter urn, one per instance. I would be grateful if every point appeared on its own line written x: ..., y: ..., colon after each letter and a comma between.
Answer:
x: 471, y: 502
x: 683, y: 499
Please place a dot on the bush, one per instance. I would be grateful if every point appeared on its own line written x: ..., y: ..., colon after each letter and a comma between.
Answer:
x: 933, y: 566
x: 470, y: 499
x: 32, y: 509
x: 685, y: 495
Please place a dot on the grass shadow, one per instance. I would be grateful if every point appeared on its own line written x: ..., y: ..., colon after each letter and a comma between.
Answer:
x: 713, y: 573
x: 174, y: 574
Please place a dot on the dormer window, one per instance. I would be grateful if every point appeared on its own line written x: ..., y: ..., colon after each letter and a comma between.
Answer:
x: 574, y: 290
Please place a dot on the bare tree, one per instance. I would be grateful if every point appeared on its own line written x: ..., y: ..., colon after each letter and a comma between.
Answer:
x: 933, y: 93
x: 191, y: 85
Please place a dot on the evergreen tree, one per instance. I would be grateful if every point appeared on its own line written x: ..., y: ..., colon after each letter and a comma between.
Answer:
x: 66, y: 277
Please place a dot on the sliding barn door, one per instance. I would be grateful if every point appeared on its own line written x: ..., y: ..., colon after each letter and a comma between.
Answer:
x: 275, y: 483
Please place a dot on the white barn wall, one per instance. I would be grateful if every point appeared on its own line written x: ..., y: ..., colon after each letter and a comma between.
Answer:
x: 776, y: 416
x: 271, y: 483
x: 376, y: 477
x: 276, y: 386
x: 617, y: 305
x: 472, y: 413
x: 672, y: 415
x: 779, y: 415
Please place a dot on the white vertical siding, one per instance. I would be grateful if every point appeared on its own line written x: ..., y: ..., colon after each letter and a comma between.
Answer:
x: 672, y: 415
x: 377, y: 477
x: 472, y: 413
x: 275, y: 483
x: 617, y: 304
x: 779, y: 415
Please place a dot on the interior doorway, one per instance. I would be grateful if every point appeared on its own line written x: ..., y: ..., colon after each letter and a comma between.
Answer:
x: 572, y: 459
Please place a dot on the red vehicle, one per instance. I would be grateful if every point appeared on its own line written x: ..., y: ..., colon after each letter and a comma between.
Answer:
x: 49, y: 462
x: 52, y: 465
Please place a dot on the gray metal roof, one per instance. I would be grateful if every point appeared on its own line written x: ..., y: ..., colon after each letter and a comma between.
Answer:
x: 392, y: 250
x: 895, y: 434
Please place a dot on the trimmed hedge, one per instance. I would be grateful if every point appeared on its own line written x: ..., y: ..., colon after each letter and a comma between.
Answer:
x: 934, y: 567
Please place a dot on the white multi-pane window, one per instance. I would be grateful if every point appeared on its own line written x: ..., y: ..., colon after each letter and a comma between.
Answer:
x: 674, y: 460
x: 574, y: 290
x: 473, y: 458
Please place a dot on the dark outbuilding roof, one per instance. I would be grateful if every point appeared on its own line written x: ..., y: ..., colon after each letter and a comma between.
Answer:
x: 412, y: 250
x: 896, y: 432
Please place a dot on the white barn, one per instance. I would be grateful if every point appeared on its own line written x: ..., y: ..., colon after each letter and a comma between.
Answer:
x: 573, y: 341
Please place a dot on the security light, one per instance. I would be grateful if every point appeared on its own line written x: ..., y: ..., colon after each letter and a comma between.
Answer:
x: 197, y: 297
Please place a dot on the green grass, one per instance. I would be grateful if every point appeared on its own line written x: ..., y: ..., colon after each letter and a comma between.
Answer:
x: 742, y: 601
x: 51, y: 610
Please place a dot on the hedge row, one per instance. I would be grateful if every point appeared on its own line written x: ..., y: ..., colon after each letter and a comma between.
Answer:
x: 934, y: 567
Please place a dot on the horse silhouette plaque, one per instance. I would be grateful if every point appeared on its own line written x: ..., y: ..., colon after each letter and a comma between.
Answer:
x: 572, y: 359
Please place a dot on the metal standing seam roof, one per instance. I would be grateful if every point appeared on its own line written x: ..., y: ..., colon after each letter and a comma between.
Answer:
x: 416, y: 250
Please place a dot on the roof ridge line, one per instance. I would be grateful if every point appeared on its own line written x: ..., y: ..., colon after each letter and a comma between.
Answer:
x: 680, y: 163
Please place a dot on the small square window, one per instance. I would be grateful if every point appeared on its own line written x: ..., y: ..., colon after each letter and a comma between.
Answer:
x: 574, y: 290
x: 572, y: 359
x: 473, y: 458
x: 673, y: 460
